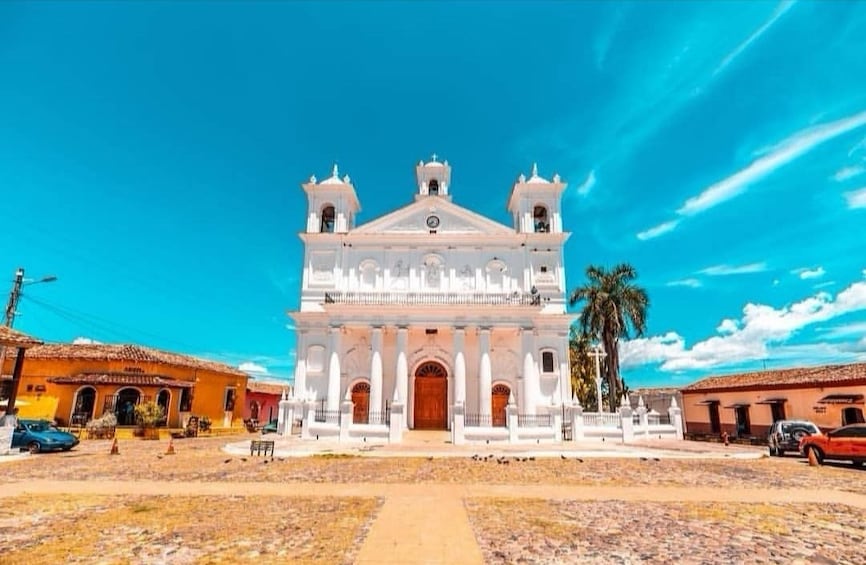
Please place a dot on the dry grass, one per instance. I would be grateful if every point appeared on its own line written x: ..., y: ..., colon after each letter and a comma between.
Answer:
x: 182, y: 529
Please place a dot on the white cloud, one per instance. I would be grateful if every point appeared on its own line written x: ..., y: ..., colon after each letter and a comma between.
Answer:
x: 824, y: 284
x: 84, y: 341
x: 807, y: 273
x: 691, y: 283
x: 780, y: 10
x: 255, y: 368
x: 856, y: 329
x: 761, y: 332
x: 587, y: 184
x: 856, y: 198
x: 848, y: 172
x: 789, y: 149
x: 658, y: 230
x: 725, y: 270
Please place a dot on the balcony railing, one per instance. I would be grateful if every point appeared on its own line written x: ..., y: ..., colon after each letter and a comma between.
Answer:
x: 434, y: 298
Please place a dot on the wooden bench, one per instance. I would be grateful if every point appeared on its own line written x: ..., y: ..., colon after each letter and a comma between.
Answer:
x: 261, y: 447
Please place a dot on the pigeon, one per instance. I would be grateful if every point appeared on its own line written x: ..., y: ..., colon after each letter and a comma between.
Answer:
x: 265, y: 461
x: 644, y: 459
x: 244, y: 459
x: 562, y: 457
x: 579, y: 460
x: 506, y: 462
x: 159, y: 456
x: 532, y: 458
x: 656, y: 459
x: 430, y: 458
x: 227, y: 461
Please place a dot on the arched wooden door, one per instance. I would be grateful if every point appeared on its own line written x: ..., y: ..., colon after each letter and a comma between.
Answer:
x: 500, y: 401
x: 361, y: 399
x: 431, y: 397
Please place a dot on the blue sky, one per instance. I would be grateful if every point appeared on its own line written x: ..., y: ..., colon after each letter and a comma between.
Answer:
x: 150, y: 155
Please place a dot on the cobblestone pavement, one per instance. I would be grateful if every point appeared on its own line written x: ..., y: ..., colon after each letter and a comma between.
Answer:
x: 202, y: 505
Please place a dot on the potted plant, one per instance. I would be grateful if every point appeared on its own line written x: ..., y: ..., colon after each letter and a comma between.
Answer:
x: 204, y: 424
x: 148, y: 415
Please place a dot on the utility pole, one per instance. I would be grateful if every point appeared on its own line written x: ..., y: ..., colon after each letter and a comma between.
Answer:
x: 14, y: 295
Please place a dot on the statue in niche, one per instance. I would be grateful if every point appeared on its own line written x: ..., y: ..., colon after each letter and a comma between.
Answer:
x: 399, y: 270
x: 467, y: 277
x: 433, y: 274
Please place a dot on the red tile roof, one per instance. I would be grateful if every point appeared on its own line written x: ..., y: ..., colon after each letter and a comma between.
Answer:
x: 267, y: 387
x: 798, y: 377
x: 133, y: 379
x: 14, y: 338
x: 127, y: 352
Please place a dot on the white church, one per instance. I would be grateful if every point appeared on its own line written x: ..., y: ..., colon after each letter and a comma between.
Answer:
x: 433, y: 317
x: 433, y: 306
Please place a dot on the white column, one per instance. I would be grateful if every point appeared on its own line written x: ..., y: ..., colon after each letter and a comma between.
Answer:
x: 459, y: 366
x: 564, y: 369
x: 334, y: 369
x: 376, y: 371
x: 485, y: 376
x: 300, y: 388
x: 403, y: 372
x: 529, y: 374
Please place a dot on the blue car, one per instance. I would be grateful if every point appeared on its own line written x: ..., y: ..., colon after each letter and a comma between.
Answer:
x: 40, y: 435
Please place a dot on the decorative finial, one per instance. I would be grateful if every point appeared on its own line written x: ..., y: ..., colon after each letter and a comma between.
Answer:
x: 535, y: 169
x: 336, y: 172
x: 521, y: 178
x: 511, y: 398
x: 313, y: 179
x: 640, y: 403
x: 346, y: 179
x: 434, y: 157
x: 555, y: 177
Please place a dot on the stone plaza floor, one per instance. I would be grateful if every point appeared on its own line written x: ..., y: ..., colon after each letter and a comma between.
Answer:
x: 211, y: 502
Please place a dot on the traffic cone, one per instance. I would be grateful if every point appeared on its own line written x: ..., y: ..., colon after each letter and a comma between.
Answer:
x: 114, y: 449
x: 813, y: 459
x: 170, y: 450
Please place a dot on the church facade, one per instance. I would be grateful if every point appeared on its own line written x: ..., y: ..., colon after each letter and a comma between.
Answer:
x: 433, y: 306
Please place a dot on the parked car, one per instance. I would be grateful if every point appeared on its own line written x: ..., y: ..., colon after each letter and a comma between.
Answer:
x: 785, y: 435
x: 270, y: 427
x: 41, y: 435
x: 847, y: 443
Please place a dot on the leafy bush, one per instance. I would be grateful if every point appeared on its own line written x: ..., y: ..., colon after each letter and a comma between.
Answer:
x: 108, y: 420
x: 149, y: 414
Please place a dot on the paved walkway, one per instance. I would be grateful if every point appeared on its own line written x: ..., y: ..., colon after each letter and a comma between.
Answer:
x: 427, y: 523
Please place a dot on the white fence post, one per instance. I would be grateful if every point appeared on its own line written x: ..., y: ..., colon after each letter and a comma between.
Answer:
x: 577, y: 423
x: 395, y: 428
x: 511, y: 422
x: 309, y: 418
x: 457, y: 424
x: 627, y: 423
x: 346, y: 409
x: 676, y: 416
x: 644, y: 419
x: 557, y: 422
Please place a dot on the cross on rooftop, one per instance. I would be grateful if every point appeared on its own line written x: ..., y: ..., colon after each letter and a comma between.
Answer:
x: 434, y: 157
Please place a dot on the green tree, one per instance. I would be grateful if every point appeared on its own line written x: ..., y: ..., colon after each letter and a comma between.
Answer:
x: 613, y: 308
x: 582, y: 369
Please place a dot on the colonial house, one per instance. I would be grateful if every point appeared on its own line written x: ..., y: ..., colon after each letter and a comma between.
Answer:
x: 746, y: 404
x: 433, y: 307
x: 263, y: 399
x: 73, y: 383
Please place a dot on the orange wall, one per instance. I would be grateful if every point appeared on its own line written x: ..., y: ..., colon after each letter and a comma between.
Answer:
x: 801, y: 403
x: 208, y: 392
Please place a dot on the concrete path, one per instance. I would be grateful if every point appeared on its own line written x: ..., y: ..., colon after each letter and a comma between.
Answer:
x: 427, y: 523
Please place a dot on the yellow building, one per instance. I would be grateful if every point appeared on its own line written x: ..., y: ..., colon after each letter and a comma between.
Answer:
x: 79, y: 382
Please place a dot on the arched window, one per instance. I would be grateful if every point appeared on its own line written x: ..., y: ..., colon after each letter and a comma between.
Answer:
x: 328, y: 220
x: 431, y: 369
x: 548, y: 362
x: 540, y: 219
x: 315, y: 359
x: 433, y: 188
x: 368, y: 269
x: 85, y: 402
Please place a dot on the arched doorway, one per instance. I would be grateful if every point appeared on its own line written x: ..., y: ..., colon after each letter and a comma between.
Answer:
x: 431, y: 397
x: 163, y: 399
x: 254, y: 410
x: 361, y: 399
x: 124, y: 409
x: 85, y: 402
x: 499, y: 400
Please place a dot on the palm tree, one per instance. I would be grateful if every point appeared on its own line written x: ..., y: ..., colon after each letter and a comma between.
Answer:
x: 614, y: 307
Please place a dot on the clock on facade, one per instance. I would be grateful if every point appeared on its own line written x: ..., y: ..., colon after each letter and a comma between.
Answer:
x: 432, y: 222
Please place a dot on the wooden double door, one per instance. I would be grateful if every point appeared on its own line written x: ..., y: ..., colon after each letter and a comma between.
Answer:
x: 431, y: 397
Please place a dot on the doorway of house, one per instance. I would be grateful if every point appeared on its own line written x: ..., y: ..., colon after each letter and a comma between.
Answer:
x: 499, y: 400
x: 124, y: 409
x: 431, y: 397
x: 85, y: 402
x: 361, y: 400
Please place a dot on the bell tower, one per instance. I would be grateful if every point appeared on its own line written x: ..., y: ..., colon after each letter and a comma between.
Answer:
x: 434, y: 178
x: 331, y: 204
x: 536, y: 203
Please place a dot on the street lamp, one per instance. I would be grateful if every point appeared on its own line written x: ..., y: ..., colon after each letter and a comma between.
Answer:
x: 598, y: 353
